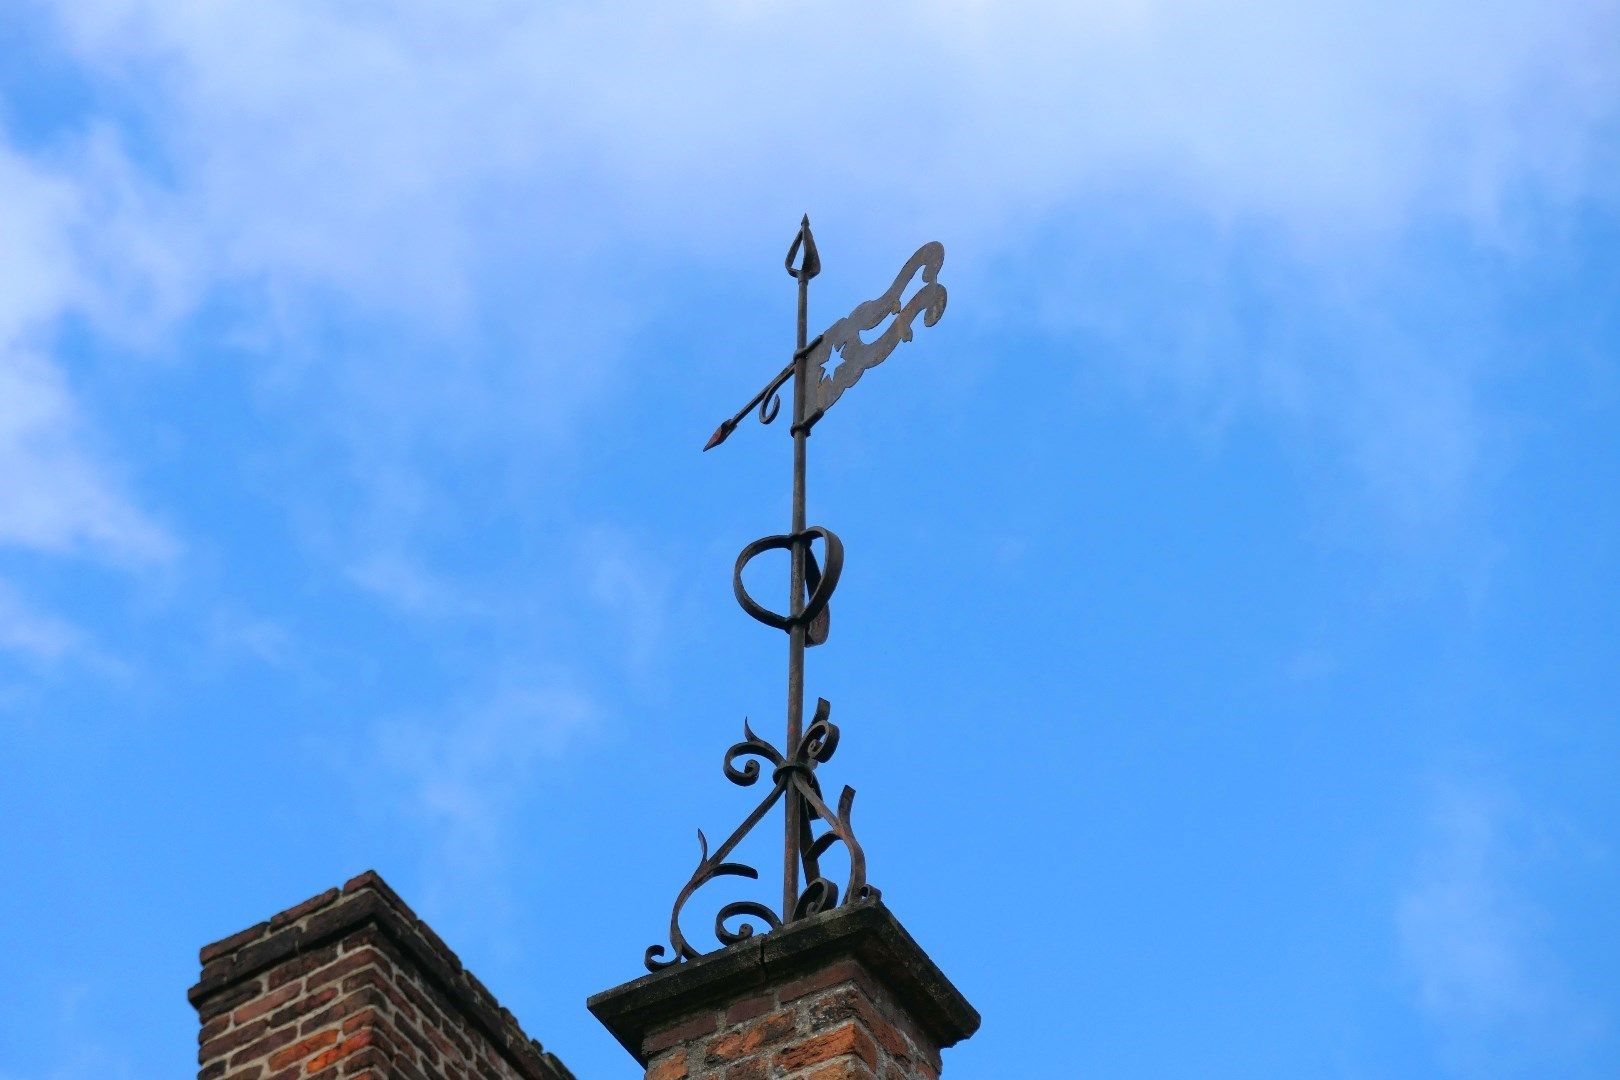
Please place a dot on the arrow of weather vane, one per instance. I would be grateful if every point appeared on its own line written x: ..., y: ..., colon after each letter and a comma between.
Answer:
x: 843, y: 338
x: 821, y: 370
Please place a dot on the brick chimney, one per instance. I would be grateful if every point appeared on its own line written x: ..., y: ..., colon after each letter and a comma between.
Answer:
x: 843, y: 995
x: 352, y: 984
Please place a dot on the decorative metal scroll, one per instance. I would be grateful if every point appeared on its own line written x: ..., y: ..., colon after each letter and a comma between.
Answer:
x: 796, y: 774
x: 793, y: 770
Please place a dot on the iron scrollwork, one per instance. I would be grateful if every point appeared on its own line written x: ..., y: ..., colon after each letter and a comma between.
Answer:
x: 792, y: 776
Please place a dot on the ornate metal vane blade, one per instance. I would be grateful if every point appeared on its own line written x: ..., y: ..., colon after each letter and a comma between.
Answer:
x: 812, y: 581
x: 857, y: 357
x: 843, y: 338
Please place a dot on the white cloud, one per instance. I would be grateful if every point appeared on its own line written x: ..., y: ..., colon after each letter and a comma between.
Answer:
x: 1475, y: 941
x: 408, y: 586
x: 59, y: 492
x: 392, y: 123
x: 32, y: 633
x: 465, y: 774
x: 403, y: 165
x: 56, y: 493
x: 626, y: 584
x: 38, y: 277
x: 1465, y: 930
x: 402, y: 158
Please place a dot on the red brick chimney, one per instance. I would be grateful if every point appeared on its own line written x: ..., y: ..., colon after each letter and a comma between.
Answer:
x: 844, y: 995
x: 352, y: 984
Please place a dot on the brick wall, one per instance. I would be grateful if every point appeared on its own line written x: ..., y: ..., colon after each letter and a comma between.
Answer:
x: 836, y: 1023
x: 352, y: 984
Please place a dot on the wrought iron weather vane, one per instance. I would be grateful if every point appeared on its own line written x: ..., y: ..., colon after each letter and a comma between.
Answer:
x: 821, y: 370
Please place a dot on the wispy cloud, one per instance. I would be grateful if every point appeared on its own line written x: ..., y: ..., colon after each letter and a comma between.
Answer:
x: 33, y: 633
x: 626, y: 584
x: 63, y: 491
x: 60, y: 492
x: 340, y: 123
x: 461, y: 779
x: 58, y: 495
x: 1475, y: 940
x: 394, y: 169
x: 1467, y: 931
x: 406, y: 585
x: 400, y: 160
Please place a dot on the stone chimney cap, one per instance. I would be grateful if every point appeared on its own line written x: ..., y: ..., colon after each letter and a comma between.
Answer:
x: 866, y: 932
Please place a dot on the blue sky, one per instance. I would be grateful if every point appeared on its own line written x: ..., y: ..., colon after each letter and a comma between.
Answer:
x: 1226, y: 651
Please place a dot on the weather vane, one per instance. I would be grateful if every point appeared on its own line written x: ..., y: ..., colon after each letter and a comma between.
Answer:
x: 821, y: 371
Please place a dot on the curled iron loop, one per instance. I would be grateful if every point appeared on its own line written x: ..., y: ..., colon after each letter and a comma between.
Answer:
x: 820, y: 738
x: 747, y: 909
x: 818, y: 895
x: 751, y: 746
x: 820, y: 580
x: 770, y: 399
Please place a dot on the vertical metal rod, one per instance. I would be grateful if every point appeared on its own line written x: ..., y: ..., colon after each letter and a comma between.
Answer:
x: 796, y: 635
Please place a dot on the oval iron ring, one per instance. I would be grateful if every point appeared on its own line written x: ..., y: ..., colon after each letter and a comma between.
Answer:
x: 820, y: 590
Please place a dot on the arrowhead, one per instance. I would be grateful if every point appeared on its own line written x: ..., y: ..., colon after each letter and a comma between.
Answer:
x: 719, y: 436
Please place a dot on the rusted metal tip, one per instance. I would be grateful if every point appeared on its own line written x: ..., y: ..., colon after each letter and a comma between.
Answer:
x: 804, y: 239
x: 719, y: 436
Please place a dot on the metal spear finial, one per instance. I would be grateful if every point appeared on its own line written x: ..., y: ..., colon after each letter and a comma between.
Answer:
x: 812, y: 261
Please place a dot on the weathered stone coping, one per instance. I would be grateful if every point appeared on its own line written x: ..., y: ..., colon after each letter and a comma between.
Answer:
x: 866, y: 932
